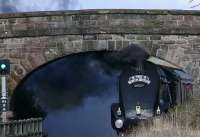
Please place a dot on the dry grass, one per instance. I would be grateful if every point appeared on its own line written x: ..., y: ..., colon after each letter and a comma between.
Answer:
x: 184, y: 121
x: 165, y: 128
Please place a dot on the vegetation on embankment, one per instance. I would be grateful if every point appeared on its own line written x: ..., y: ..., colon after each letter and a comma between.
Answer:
x: 182, y: 121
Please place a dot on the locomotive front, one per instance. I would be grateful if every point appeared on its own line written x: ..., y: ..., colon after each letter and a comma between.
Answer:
x: 138, y: 93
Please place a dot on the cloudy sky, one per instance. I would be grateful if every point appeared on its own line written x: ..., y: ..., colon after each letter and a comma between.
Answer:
x: 48, y: 5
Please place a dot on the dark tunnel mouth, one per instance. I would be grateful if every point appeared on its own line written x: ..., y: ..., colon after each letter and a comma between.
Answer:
x: 49, y: 117
x: 95, y: 54
x: 57, y: 59
x: 50, y: 62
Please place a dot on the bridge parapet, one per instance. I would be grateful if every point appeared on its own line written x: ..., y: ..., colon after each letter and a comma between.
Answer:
x: 32, y: 39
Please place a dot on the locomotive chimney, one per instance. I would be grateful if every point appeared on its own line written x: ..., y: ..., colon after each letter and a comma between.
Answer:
x: 139, y: 66
x: 134, y: 55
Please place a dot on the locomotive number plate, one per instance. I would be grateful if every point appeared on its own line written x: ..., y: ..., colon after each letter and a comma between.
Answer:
x: 139, y: 78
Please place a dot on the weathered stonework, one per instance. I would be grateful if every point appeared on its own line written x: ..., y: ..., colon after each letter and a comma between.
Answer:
x: 32, y: 39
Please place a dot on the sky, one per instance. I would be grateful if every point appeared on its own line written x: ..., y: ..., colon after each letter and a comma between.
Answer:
x: 51, y: 5
x: 140, y: 4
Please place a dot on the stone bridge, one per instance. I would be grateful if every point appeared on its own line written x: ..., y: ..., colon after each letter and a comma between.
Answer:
x: 32, y: 39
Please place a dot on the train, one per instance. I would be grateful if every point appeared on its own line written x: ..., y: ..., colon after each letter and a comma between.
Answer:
x: 148, y: 89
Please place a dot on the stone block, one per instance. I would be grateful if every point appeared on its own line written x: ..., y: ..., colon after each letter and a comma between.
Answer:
x: 4, y: 22
x: 167, y: 42
x: 155, y: 37
x: 102, y: 45
x: 118, y: 37
x: 67, y: 46
x: 74, y: 37
x: 104, y: 37
x: 142, y: 37
x: 16, y: 53
x: 18, y: 70
x: 22, y: 21
x: 12, y: 20
x: 38, y: 19
x: 77, y: 46
x: 26, y: 65
x: 130, y: 37
x: 89, y: 22
x: 89, y: 37
x: 153, y: 23
x: 125, y: 44
x: 18, y: 27
x: 119, y: 45
x: 98, y: 17
x: 89, y: 45
x: 56, y: 18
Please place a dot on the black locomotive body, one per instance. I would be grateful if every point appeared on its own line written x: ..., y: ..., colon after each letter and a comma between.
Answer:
x: 148, y: 92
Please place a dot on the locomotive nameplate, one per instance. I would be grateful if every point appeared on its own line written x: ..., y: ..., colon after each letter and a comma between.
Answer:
x: 139, y: 79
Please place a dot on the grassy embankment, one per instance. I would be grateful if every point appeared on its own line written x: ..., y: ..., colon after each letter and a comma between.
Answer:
x: 183, y: 121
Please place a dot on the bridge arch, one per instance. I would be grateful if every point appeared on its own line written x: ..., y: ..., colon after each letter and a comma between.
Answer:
x: 31, y: 39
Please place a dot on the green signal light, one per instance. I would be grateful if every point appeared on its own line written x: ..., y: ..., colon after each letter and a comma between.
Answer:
x: 3, y: 66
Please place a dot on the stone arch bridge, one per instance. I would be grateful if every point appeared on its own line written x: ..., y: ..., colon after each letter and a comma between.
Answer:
x: 32, y: 39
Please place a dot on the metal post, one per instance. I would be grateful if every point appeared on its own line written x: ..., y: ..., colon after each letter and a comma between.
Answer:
x: 3, y: 98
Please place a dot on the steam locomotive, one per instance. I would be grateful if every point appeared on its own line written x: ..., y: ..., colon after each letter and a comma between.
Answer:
x: 148, y: 88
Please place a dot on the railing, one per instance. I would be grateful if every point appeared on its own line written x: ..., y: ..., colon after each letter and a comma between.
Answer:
x: 22, y: 128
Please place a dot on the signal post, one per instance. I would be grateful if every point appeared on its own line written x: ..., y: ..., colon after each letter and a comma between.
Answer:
x: 4, y: 71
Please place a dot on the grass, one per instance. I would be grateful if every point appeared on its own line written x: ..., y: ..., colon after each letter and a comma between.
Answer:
x: 164, y: 128
x: 183, y: 121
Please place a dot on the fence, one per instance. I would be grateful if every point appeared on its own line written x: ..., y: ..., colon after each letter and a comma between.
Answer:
x: 22, y: 128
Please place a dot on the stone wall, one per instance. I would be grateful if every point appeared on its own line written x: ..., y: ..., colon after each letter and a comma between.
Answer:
x: 32, y: 39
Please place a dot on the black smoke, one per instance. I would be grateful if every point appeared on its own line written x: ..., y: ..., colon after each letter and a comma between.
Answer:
x: 133, y: 53
x: 10, y: 6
